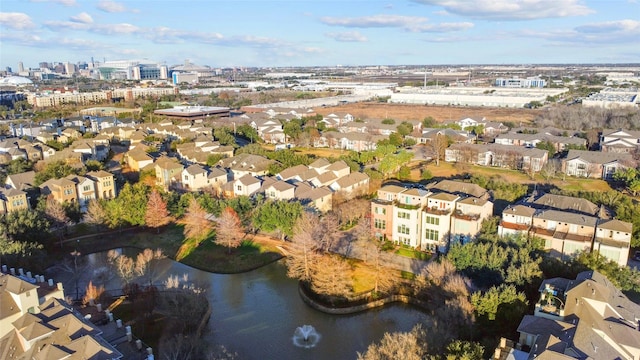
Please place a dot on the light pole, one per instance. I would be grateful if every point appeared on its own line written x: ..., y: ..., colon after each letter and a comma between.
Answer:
x: 76, y: 254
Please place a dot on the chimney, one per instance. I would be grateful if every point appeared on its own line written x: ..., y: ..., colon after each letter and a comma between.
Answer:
x: 59, y: 285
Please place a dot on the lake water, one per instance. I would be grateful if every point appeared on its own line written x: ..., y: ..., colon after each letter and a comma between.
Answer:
x: 256, y: 313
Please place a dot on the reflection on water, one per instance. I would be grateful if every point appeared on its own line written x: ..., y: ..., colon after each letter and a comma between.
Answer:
x: 255, y: 314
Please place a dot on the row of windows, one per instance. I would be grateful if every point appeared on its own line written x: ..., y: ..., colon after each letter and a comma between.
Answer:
x: 404, y: 215
x: 379, y: 224
x: 431, y: 235
x: 432, y: 220
x: 403, y: 229
x: 380, y: 210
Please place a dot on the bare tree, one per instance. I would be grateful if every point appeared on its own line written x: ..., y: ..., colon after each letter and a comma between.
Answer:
x: 550, y: 169
x: 328, y: 231
x: 196, y: 224
x: 59, y: 219
x: 437, y: 146
x: 95, y: 214
x: 332, y: 276
x: 399, y: 345
x: 146, y: 263
x: 124, y: 266
x: 229, y: 229
x: 303, y: 248
x: 157, y: 214
x: 384, y: 278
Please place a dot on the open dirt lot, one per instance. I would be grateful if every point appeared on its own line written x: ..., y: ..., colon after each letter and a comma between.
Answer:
x: 401, y: 112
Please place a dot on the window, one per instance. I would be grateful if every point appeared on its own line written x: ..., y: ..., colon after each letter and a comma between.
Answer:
x: 68, y: 191
x: 18, y: 202
x: 380, y: 210
x: 239, y: 188
x: 27, y: 294
x: 404, y: 215
x: 403, y: 229
x: 432, y: 220
x: 432, y: 235
x: 379, y: 224
x: 87, y: 188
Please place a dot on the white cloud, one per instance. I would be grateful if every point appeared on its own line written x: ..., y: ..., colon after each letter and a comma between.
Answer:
x: 83, y: 18
x: 349, y: 36
x: 113, y: 7
x: 61, y: 2
x: 593, y: 34
x: 626, y: 25
x: 442, y: 27
x: 407, y: 23
x: 16, y: 20
x: 512, y: 9
x: 103, y: 29
x: 375, y: 21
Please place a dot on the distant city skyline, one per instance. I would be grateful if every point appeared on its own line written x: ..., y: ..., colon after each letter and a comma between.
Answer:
x: 320, y: 33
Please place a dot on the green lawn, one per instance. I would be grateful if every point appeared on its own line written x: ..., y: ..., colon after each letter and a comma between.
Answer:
x: 205, y: 256
x: 414, y: 254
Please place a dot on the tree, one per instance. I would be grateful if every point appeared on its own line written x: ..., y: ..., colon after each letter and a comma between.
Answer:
x: 332, y: 276
x: 399, y: 345
x: 133, y: 200
x: 500, y: 308
x: 464, y: 350
x: 196, y: 224
x: 157, y: 214
x: 437, y: 147
x: 58, y: 217
x: 229, y: 229
x: 96, y: 214
x: 146, y: 263
x: 303, y: 249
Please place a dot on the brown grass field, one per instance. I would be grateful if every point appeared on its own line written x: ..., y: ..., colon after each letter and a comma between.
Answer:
x: 440, y: 113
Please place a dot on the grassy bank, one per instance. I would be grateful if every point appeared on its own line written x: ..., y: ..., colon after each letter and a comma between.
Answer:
x: 206, y: 256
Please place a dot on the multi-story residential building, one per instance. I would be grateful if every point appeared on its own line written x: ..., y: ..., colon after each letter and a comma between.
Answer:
x: 619, y: 141
x: 569, y: 226
x: 22, y: 181
x: 585, y: 318
x: 104, y: 184
x: 246, y: 164
x: 466, y: 222
x: 613, y: 240
x: 430, y: 219
x: 565, y: 234
x: 407, y: 217
x: 560, y: 143
x: 138, y: 159
x: 62, y: 190
x: 168, y: 171
x: 437, y: 221
x: 506, y: 156
x: 351, y: 185
x: 194, y: 177
x: 13, y: 200
x: 516, y: 220
x: 596, y: 164
x: 21, y: 294
x: 85, y: 189
x: 280, y: 190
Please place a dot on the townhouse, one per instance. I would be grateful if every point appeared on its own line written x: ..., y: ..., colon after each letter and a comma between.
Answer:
x: 168, y: 172
x: 12, y: 200
x: 619, y: 141
x: 433, y: 218
x: 569, y: 226
x: 560, y: 143
x: 582, y: 318
x: 104, y: 184
x: 196, y: 177
x: 506, y: 156
x: 596, y: 164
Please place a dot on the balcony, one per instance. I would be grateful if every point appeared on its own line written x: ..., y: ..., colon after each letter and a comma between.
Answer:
x: 514, y: 226
x: 612, y: 243
x: 549, y: 307
x: 406, y: 206
x: 436, y: 211
x: 468, y: 217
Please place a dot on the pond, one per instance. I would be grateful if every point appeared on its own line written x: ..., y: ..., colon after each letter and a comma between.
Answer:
x: 256, y: 314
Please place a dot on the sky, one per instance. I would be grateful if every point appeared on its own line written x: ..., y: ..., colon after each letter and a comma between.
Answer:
x: 265, y: 33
